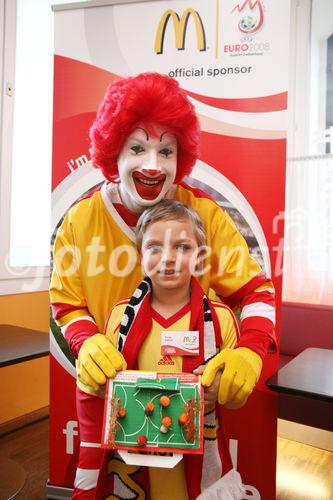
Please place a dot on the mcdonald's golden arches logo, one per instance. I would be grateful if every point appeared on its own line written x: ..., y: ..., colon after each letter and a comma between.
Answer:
x: 180, y: 27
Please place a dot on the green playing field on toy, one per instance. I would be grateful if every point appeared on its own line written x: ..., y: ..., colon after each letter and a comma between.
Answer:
x: 140, y: 421
x: 165, y: 384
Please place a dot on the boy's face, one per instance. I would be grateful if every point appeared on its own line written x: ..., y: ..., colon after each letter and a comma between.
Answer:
x: 147, y: 167
x: 170, y: 253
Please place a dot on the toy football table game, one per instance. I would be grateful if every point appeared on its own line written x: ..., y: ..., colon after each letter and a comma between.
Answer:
x: 153, y: 412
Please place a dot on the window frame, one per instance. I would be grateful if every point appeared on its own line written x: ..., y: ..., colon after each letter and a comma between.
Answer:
x: 21, y: 279
x: 299, y: 78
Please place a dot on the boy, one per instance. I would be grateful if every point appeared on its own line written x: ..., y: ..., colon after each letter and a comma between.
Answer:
x: 171, y: 240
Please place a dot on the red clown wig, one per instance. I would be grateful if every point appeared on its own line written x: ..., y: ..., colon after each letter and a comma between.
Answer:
x: 150, y: 100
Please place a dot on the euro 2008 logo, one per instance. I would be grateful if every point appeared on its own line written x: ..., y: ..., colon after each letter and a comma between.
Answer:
x: 251, y: 16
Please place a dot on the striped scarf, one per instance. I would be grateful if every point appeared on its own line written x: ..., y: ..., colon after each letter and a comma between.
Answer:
x: 137, y: 323
x: 200, y: 470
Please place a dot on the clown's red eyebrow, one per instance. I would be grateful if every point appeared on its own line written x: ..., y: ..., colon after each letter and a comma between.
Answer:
x: 145, y: 131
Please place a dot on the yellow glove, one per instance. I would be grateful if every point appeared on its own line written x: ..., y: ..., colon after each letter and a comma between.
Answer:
x: 241, y: 370
x: 98, y: 359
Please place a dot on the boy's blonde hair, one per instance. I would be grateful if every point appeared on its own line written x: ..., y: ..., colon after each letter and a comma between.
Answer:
x: 170, y: 210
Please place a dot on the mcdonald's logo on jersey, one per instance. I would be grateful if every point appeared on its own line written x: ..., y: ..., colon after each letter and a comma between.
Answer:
x: 180, y: 27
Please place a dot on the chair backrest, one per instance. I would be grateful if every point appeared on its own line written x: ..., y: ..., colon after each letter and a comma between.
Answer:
x: 305, y: 325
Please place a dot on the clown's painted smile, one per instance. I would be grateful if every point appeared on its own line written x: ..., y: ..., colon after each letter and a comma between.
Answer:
x: 147, y: 167
x: 148, y: 187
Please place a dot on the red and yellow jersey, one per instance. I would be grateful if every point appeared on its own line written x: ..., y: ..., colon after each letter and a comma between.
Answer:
x: 151, y: 359
x: 96, y: 264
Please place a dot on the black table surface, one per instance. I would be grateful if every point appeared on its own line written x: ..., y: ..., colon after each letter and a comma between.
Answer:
x: 309, y: 374
x: 19, y: 344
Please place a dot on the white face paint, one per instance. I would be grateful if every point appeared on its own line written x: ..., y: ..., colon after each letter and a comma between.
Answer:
x: 147, y: 167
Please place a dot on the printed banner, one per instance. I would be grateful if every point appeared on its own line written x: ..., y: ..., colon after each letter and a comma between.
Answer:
x: 231, y: 57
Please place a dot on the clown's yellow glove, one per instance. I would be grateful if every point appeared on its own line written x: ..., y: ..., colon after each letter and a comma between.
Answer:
x: 98, y: 359
x: 241, y: 370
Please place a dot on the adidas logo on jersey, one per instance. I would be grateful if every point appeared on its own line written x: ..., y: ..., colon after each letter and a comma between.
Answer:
x: 166, y: 360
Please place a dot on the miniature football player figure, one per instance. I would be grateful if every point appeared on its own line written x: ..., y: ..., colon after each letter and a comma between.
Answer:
x: 145, y: 139
x: 164, y: 401
x: 166, y: 424
x: 149, y: 408
x: 122, y: 412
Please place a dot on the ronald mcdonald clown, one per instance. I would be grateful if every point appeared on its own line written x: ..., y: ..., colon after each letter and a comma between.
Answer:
x: 145, y: 139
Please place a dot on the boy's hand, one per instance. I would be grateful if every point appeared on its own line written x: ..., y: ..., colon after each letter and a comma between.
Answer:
x: 98, y: 359
x: 240, y: 368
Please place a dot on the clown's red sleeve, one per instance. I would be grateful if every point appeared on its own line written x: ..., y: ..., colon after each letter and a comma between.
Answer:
x: 251, y: 291
x: 95, y: 265
x: 233, y: 274
x: 257, y: 316
x: 68, y: 303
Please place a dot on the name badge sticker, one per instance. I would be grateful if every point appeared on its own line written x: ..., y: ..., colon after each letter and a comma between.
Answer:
x: 180, y: 343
